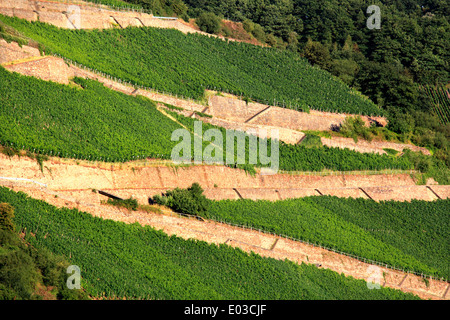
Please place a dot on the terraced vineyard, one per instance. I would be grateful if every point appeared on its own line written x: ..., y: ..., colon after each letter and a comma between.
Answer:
x: 303, y: 158
x: 90, y: 121
x: 186, y: 65
x: 412, y: 236
x: 120, y: 260
x: 86, y: 120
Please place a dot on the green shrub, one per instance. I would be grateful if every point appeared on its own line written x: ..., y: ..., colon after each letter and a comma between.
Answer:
x: 208, y: 22
x: 6, y: 217
x: 130, y: 203
x: 317, y: 54
x: 354, y: 127
x: 201, y: 114
x: 10, y: 152
x: 247, y: 167
x: 248, y: 25
x: 259, y: 33
x: 187, y: 201
x: 391, y: 151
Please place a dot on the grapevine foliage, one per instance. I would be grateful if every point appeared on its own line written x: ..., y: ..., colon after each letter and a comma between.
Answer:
x: 413, y: 236
x: 128, y: 260
x: 186, y: 65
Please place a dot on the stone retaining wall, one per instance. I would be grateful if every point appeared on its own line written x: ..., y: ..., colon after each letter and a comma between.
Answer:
x: 46, y: 68
x: 231, y: 108
x: 219, y: 182
x: 366, y: 146
x: 82, y: 15
x: 12, y: 51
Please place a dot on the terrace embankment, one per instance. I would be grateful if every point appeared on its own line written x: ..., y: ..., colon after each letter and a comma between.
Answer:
x: 266, y: 245
x: 226, y: 110
x: 85, y: 15
x: 70, y: 184
x: 141, y: 181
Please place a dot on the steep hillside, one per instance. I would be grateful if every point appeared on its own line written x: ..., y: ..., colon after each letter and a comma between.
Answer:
x: 61, y: 175
x: 119, y: 260
x: 27, y: 272
x: 168, y: 60
x: 385, y: 231
x: 94, y: 105
x: 389, y: 64
x: 72, y: 121
x: 90, y: 121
